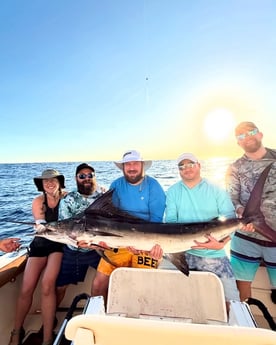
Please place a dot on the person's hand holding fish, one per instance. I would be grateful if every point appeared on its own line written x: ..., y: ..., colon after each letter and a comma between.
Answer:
x: 212, y: 243
x: 89, y: 245
x: 135, y: 251
x: 244, y: 227
x: 39, y: 226
x: 247, y: 227
x: 156, y: 251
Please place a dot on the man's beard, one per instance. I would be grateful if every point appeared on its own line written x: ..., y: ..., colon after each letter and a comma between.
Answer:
x: 133, y: 179
x: 252, y: 147
x: 85, y: 189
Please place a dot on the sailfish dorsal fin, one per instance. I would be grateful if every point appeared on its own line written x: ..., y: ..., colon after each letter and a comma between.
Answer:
x: 253, y: 206
x: 104, y: 207
x: 252, y: 211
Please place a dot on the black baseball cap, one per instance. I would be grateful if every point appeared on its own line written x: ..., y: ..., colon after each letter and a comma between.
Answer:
x: 84, y: 166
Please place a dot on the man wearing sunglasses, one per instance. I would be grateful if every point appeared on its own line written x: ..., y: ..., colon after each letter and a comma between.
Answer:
x: 195, y: 199
x: 75, y: 262
x: 249, y: 249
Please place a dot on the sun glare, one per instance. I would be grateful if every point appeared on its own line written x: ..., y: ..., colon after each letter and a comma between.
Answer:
x: 218, y: 124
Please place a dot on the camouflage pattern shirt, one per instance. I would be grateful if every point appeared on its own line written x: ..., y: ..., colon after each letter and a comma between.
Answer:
x: 74, y: 203
x: 241, y: 178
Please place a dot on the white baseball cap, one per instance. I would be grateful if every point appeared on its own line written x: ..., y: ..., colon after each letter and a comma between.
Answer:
x: 188, y: 156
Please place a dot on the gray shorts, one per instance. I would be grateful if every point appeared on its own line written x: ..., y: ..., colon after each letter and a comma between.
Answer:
x: 221, y: 267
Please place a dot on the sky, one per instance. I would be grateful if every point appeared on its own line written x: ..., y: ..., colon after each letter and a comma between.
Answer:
x: 88, y: 80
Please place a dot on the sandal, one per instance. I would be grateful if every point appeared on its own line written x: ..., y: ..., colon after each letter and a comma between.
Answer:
x: 17, y: 332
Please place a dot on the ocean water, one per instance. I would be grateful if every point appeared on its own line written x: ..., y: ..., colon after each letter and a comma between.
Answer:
x: 17, y: 189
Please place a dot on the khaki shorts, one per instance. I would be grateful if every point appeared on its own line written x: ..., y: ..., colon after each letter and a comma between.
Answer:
x: 124, y: 258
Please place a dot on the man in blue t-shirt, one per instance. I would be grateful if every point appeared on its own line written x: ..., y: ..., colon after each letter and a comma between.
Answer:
x: 143, y: 197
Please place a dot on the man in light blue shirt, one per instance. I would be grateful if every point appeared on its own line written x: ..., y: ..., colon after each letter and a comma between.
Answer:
x: 195, y: 199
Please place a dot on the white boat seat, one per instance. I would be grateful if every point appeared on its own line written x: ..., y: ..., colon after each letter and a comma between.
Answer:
x: 115, y: 330
x: 198, y: 298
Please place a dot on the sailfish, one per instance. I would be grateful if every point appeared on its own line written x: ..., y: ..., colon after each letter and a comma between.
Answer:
x: 103, y: 222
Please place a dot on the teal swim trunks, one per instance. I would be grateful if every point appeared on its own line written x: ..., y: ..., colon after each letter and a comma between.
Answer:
x: 246, y: 266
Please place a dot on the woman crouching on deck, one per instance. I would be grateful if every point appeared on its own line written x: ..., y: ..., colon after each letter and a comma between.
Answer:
x: 44, y: 256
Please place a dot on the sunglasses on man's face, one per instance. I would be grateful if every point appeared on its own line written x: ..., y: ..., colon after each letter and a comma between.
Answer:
x: 83, y: 176
x: 187, y: 166
x: 247, y: 134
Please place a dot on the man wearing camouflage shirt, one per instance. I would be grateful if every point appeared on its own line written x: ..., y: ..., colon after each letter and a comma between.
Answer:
x: 75, y: 261
x: 249, y: 249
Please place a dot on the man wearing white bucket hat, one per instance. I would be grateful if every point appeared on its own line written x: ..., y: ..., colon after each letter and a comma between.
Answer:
x: 143, y: 197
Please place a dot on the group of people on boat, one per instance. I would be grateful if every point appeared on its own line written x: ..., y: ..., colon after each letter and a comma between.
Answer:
x: 192, y: 199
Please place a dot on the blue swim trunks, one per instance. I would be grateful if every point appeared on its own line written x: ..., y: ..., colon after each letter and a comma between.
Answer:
x: 246, y: 257
x: 75, y: 264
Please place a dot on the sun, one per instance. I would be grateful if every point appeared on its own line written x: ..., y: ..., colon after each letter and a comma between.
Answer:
x: 218, y: 124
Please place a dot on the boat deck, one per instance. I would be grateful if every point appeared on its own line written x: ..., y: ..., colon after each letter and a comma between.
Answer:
x: 192, y: 299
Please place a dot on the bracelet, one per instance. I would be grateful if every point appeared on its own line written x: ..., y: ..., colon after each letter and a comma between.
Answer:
x: 40, y: 221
